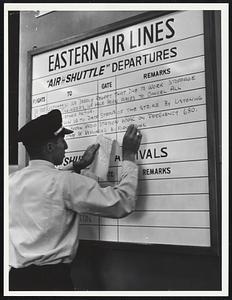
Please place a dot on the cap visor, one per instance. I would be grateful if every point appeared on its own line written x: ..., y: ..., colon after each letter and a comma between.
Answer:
x: 67, y: 131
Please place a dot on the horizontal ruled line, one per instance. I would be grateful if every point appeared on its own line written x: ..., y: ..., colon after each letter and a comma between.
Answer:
x: 165, y: 162
x: 139, y: 114
x: 110, y: 59
x: 174, y: 195
x: 171, y: 178
x: 160, y: 178
x: 175, y: 227
x: 171, y: 194
x: 91, y: 81
x: 147, y: 226
x: 143, y: 128
x: 158, y: 142
x: 116, y: 104
x: 173, y: 162
x: 172, y: 210
x: 175, y: 140
x: 143, y: 69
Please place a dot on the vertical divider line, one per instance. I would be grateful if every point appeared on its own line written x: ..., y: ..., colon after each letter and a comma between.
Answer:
x: 98, y: 128
x: 116, y: 116
x: 47, y: 103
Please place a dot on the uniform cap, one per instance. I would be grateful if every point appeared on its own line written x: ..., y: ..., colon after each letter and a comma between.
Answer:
x: 43, y: 128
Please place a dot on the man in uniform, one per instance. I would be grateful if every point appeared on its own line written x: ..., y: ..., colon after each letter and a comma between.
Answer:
x: 46, y: 203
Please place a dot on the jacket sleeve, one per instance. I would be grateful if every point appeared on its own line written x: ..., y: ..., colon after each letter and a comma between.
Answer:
x: 85, y: 195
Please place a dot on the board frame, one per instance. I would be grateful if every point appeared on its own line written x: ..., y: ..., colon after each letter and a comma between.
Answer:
x: 213, y: 134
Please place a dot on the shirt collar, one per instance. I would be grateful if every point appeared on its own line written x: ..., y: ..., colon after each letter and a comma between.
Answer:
x: 40, y: 162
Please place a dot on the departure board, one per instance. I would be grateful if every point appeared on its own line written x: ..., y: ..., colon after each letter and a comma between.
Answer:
x: 152, y: 74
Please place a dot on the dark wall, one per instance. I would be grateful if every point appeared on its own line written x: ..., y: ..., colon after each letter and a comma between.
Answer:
x: 13, y: 56
x: 106, y: 268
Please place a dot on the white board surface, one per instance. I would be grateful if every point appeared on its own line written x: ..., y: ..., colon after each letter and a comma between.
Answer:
x: 151, y: 74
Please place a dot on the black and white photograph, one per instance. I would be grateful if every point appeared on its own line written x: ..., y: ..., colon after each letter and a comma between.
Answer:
x: 115, y: 149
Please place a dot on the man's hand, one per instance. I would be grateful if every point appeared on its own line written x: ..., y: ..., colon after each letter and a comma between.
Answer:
x: 131, y: 142
x: 86, y: 159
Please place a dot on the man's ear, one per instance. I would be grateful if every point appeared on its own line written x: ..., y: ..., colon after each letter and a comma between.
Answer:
x: 50, y: 147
